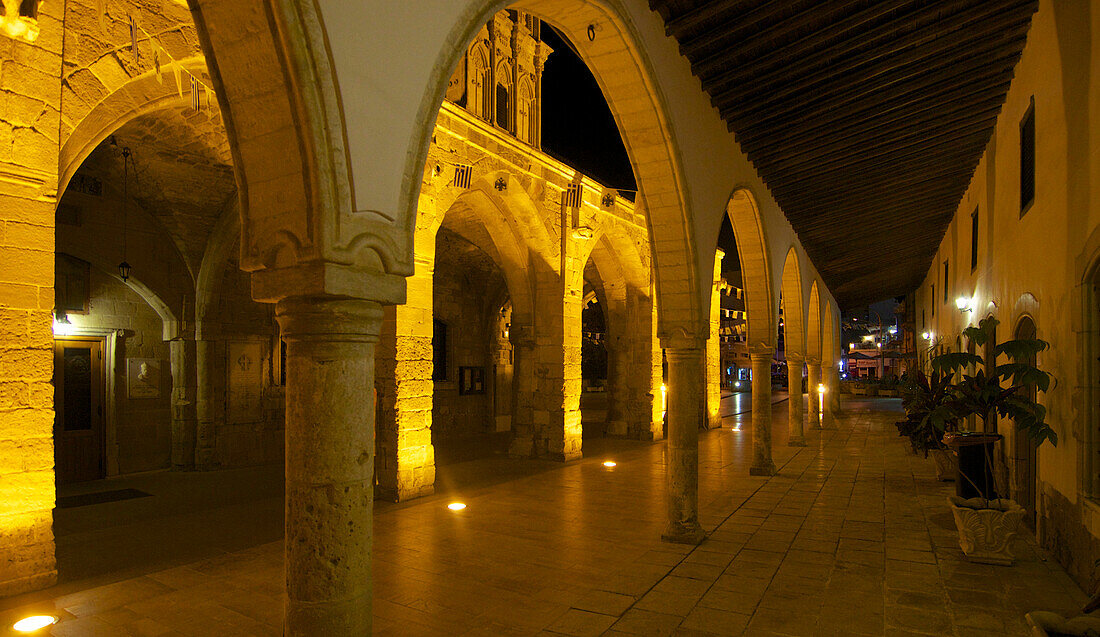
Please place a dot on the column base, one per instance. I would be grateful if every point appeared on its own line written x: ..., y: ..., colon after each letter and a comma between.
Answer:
x: 683, y: 533
x: 796, y: 442
x: 763, y: 470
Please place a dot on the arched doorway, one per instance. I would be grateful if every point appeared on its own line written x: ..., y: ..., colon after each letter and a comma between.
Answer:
x: 1025, y: 456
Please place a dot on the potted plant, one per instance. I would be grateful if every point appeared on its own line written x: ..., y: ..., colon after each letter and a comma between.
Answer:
x: 928, y: 416
x: 988, y: 523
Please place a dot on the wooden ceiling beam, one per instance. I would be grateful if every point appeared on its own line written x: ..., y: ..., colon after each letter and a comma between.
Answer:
x: 944, y: 51
x: 883, y: 90
x: 876, y: 122
x: 894, y: 139
x: 814, y: 52
x: 708, y: 12
x: 922, y: 156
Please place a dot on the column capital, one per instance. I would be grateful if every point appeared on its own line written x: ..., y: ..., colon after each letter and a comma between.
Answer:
x: 682, y: 342
x: 796, y: 359
x: 761, y: 348
x: 326, y: 279
x: 307, y: 318
x: 684, y: 354
x: 812, y: 360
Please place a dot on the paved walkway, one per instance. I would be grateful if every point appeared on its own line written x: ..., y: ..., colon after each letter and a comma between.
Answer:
x: 853, y: 537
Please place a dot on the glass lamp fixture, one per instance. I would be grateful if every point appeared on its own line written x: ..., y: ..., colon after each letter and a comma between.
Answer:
x: 964, y: 303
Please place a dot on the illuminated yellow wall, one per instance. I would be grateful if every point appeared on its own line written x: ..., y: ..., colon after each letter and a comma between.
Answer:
x: 29, y: 122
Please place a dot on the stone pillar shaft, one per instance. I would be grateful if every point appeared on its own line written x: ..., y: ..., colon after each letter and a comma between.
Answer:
x: 814, y: 379
x: 762, y: 464
x: 795, y: 435
x: 182, y: 352
x: 329, y: 463
x: 685, y: 409
x: 524, y: 356
x: 828, y: 372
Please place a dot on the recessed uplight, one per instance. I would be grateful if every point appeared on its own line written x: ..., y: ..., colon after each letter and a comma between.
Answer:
x: 456, y: 506
x: 33, y: 623
x: 609, y: 463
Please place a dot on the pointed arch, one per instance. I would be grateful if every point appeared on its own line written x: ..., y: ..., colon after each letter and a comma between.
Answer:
x: 481, y: 81
x: 752, y: 250
x: 813, y: 324
x: 794, y: 306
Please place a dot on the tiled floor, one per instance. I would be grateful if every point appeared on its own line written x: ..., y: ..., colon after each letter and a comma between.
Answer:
x: 853, y: 537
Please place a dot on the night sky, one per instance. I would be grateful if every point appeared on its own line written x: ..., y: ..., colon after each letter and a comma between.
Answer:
x: 578, y: 128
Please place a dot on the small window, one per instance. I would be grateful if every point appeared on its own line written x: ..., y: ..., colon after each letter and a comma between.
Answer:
x: 439, y: 350
x: 1027, y: 159
x: 504, y: 107
x: 946, y: 284
x: 974, y: 240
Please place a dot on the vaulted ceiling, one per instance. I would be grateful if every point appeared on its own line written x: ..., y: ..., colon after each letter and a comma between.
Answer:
x: 866, y: 118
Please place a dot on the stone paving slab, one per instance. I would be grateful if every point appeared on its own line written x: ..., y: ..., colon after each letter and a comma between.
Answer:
x: 853, y: 537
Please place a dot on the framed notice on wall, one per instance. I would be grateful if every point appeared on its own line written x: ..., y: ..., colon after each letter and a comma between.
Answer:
x: 471, y: 380
x: 142, y: 378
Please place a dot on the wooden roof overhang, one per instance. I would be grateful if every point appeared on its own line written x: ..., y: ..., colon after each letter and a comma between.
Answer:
x: 866, y: 118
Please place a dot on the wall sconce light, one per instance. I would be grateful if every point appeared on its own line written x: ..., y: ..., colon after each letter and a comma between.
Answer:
x: 964, y: 303
x: 927, y: 336
x: 500, y: 184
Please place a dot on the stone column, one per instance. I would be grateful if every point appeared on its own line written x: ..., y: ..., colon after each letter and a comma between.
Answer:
x: 714, y: 348
x: 645, y: 419
x: 31, y: 79
x: 762, y: 464
x: 795, y: 436
x: 828, y: 372
x: 813, y: 379
x: 329, y: 463
x: 210, y: 400
x: 524, y: 357
x: 183, y: 357
x: 405, y: 457
x: 685, y: 408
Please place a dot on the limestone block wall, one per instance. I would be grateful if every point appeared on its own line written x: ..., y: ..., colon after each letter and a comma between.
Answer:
x: 29, y: 118
x: 459, y: 302
x: 142, y: 439
x: 248, y: 418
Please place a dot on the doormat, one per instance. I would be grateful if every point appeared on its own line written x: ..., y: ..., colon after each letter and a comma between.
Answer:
x: 99, y: 497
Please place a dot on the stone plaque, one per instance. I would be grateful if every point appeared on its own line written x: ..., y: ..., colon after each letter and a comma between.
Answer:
x: 142, y: 378
x: 245, y: 382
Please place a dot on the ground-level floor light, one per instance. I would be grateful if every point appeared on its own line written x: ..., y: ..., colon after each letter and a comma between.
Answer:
x: 821, y: 389
x: 34, y: 623
x: 609, y: 463
x: 456, y: 506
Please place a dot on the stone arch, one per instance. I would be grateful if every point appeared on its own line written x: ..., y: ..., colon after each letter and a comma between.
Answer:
x: 752, y: 250
x: 620, y: 67
x: 794, y: 309
x: 140, y: 95
x: 813, y: 324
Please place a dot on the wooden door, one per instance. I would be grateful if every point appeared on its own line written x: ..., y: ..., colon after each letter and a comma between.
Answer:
x: 78, y: 408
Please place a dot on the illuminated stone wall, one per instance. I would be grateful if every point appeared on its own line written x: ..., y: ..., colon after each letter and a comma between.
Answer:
x: 29, y: 120
x: 714, y: 347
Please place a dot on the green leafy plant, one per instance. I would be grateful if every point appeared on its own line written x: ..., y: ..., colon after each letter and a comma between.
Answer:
x: 928, y: 411
x: 1002, y: 391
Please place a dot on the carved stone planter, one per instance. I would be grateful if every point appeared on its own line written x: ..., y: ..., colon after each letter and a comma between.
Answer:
x: 945, y: 464
x: 1044, y: 624
x: 987, y: 528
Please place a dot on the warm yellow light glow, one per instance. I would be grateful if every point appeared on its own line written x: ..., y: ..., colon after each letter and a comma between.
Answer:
x: 868, y: 338
x: 456, y: 506
x: 822, y: 389
x: 879, y: 345
x: 62, y: 329
x: 963, y: 303
x: 851, y: 345
x: 737, y: 384
x: 664, y: 400
x: 33, y: 623
x: 609, y: 463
